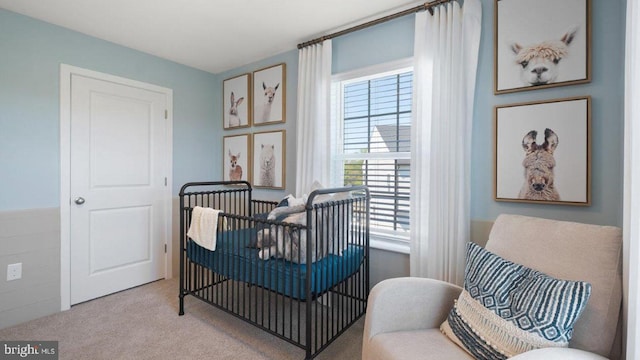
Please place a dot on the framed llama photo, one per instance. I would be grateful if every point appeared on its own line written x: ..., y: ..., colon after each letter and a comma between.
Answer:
x: 269, y: 95
x: 269, y: 159
x: 542, y: 152
x: 235, y: 102
x: 236, y: 154
x: 541, y: 44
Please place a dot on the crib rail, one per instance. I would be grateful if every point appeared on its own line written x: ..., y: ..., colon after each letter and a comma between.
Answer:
x: 308, y: 298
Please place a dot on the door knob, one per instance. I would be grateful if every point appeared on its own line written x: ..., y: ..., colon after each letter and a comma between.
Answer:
x: 79, y: 200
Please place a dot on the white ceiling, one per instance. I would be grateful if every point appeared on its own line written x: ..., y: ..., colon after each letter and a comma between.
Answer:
x: 211, y: 35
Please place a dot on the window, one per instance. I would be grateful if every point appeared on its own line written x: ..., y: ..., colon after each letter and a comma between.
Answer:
x: 372, y: 128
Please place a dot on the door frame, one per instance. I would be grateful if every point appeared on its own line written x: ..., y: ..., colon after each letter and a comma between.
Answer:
x: 66, y: 71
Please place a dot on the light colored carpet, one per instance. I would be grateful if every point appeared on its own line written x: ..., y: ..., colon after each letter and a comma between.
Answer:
x: 143, y: 323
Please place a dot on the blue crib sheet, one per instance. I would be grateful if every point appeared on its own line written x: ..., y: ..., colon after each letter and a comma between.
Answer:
x: 234, y: 260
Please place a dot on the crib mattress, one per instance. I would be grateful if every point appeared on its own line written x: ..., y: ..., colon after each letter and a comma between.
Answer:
x: 234, y: 260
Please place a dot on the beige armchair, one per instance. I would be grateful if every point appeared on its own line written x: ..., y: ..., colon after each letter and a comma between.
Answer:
x: 404, y: 314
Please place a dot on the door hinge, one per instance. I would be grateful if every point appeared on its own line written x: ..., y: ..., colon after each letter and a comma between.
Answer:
x: 165, y: 181
x: 166, y: 114
x: 165, y: 248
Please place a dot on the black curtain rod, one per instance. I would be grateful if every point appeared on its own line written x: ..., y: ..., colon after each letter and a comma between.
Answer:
x: 426, y: 6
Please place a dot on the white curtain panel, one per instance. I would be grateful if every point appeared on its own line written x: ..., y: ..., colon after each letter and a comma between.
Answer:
x: 446, y: 57
x: 631, y: 224
x: 313, y: 122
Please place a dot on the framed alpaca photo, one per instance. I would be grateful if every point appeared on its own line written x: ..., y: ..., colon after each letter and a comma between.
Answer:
x: 269, y: 159
x: 236, y: 101
x: 269, y: 95
x: 541, y: 44
x: 542, y: 152
x: 236, y: 155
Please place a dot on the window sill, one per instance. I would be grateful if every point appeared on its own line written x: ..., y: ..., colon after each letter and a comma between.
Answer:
x: 389, y: 243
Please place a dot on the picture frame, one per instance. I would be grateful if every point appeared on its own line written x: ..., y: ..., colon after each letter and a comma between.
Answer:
x: 269, y: 94
x: 236, y: 102
x: 538, y: 48
x: 269, y: 161
x: 236, y: 157
x: 550, y: 143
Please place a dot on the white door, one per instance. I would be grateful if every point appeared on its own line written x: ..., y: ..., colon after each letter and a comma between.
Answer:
x: 117, y: 210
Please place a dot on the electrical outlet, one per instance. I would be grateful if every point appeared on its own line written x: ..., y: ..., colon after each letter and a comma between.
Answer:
x: 14, y: 271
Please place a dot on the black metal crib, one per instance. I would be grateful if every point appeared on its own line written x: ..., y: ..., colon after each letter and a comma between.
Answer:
x: 307, y: 294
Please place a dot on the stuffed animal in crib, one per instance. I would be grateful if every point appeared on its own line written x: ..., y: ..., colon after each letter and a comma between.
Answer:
x: 281, y: 240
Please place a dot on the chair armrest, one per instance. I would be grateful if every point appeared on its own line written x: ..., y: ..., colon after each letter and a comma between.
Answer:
x: 408, y: 304
x: 558, y: 354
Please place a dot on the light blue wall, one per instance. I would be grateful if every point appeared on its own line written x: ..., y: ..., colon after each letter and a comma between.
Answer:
x: 394, y: 40
x: 386, y: 42
x: 31, y: 52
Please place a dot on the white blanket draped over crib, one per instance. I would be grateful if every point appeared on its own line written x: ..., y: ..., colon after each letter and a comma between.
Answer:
x: 203, y: 228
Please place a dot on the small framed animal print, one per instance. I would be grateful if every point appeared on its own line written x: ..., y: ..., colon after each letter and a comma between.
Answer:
x: 543, y: 152
x: 269, y: 159
x: 235, y: 100
x: 269, y: 95
x: 236, y: 155
x: 541, y: 44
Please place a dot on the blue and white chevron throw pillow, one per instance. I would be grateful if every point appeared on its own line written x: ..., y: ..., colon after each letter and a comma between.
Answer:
x: 506, y: 309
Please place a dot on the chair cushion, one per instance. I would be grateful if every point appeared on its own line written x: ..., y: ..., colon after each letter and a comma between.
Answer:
x: 572, y: 251
x: 506, y: 309
x: 422, y: 344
